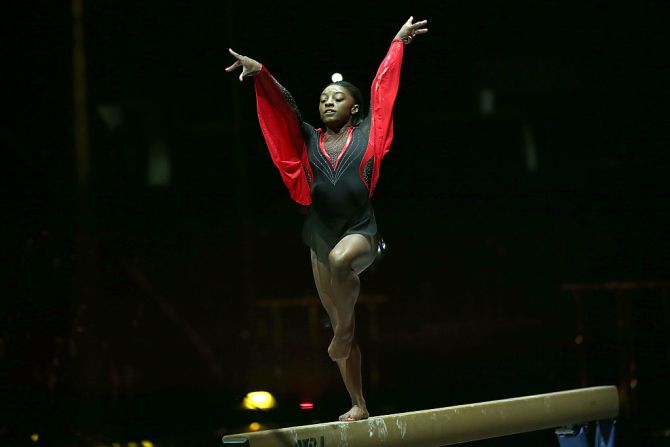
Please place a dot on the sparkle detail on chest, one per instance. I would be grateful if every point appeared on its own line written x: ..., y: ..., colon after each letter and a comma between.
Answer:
x: 334, y: 155
x: 334, y: 146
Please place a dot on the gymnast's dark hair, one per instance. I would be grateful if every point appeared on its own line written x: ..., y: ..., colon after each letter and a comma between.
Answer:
x: 358, y: 99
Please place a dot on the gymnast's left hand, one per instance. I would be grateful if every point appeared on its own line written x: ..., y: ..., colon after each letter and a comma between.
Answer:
x: 410, y: 30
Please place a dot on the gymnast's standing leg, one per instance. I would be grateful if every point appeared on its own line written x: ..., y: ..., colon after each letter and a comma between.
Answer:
x: 338, y: 285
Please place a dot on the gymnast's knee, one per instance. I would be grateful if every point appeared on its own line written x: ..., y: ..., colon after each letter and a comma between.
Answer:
x: 338, y: 262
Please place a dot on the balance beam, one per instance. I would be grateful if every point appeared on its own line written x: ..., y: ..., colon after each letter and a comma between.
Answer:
x: 448, y: 425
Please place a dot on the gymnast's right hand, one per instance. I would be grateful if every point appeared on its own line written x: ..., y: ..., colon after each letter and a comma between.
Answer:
x: 249, y: 66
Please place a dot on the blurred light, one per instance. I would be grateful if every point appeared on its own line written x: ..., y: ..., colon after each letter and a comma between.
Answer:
x: 259, y: 400
x: 158, y: 167
x: 255, y: 426
x: 336, y: 77
x: 116, y: 444
x: 487, y: 101
x: 147, y: 443
x: 530, y: 147
x: 34, y: 437
x: 132, y: 444
x: 633, y: 384
x: 111, y: 115
x: 306, y: 405
x: 579, y: 340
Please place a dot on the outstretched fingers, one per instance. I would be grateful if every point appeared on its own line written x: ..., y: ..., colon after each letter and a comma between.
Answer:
x: 410, y: 30
x: 249, y: 65
x: 234, y: 66
x: 237, y: 63
x: 418, y: 27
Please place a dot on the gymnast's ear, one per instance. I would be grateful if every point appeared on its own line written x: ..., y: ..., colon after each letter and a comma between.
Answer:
x: 354, y: 109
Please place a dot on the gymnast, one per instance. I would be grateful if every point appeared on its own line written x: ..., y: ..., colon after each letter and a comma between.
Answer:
x: 334, y: 171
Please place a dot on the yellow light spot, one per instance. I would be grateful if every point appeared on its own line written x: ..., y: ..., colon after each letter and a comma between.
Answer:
x: 146, y: 443
x: 633, y: 384
x: 116, y: 444
x: 259, y: 400
x: 132, y: 444
x: 34, y: 437
x: 254, y: 426
x: 579, y: 340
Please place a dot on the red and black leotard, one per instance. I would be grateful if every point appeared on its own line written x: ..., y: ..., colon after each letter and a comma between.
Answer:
x: 338, y: 191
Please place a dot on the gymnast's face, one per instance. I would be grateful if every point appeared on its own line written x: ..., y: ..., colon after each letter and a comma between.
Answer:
x: 336, y: 106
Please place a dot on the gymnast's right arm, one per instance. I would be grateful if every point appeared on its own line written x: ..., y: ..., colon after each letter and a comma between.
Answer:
x: 281, y: 126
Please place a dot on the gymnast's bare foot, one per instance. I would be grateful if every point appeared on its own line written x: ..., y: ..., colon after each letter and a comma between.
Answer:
x: 357, y: 413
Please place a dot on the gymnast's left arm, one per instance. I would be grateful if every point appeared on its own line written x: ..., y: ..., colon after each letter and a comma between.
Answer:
x: 385, y: 86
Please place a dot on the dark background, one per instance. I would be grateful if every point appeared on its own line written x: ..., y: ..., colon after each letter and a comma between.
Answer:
x: 131, y: 300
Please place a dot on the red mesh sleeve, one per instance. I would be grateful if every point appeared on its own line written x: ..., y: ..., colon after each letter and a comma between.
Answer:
x: 281, y: 127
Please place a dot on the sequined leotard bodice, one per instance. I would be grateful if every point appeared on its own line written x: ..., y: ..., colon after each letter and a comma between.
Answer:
x: 337, y: 188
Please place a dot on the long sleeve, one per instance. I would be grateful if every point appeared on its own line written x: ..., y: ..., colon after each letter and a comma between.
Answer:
x: 382, y: 97
x: 281, y: 126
